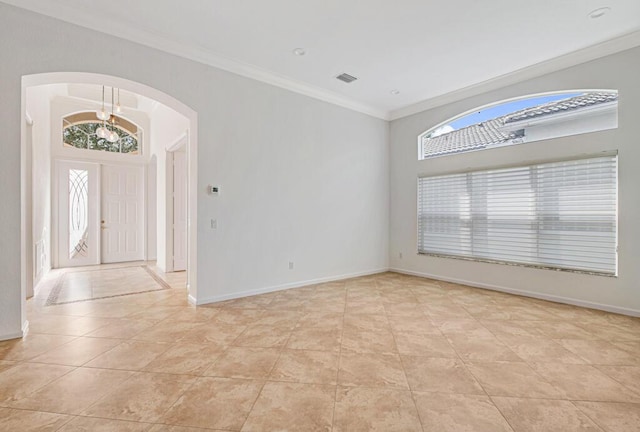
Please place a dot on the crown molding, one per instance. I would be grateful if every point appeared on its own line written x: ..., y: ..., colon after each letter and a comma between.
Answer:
x: 197, y: 54
x: 201, y: 55
x: 612, y: 46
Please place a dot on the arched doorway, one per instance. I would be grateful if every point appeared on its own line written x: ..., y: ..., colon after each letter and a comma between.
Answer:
x: 29, y: 247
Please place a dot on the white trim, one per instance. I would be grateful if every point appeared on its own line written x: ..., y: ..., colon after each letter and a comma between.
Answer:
x: 28, y: 118
x: 145, y: 210
x: 178, y: 143
x: 286, y: 286
x: 559, y: 117
x: 542, y: 296
x: 192, y: 300
x: 25, y: 328
x: 201, y: 55
x: 612, y: 46
x: 168, y: 211
x: 160, y: 42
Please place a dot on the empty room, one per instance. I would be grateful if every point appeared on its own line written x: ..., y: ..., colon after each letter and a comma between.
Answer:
x: 320, y: 216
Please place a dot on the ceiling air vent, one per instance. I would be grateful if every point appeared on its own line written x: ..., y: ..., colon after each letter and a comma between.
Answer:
x: 345, y: 77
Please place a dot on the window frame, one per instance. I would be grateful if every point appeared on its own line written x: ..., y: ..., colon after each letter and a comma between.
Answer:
x: 518, y: 140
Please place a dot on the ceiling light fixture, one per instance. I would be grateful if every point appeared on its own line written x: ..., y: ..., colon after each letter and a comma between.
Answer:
x: 118, y: 106
x: 299, y: 52
x: 113, y: 135
x: 597, y: 13
x: 395, y: 92
x: 102, y: 114
x: 103, y: 131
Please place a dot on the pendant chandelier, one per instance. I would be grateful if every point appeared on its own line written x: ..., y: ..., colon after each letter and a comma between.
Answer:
x: 108, y: 129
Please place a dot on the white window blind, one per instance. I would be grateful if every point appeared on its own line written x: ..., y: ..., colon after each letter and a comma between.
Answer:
x: 558, y: 215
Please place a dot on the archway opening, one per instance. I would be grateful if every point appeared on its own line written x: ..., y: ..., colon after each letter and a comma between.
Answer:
x: 63, y: 124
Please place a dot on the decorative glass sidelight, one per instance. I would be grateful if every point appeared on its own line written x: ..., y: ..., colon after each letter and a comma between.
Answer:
x: 78, y: 213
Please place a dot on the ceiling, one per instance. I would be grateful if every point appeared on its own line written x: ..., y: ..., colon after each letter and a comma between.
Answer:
x: 423, y: 49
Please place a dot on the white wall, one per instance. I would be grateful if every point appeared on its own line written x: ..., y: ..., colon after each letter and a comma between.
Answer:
x: 167, y: 126
x: 302, y: 180
x: 619, y: 71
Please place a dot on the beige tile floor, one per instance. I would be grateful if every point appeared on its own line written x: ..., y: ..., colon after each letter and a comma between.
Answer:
x: 382, y: 353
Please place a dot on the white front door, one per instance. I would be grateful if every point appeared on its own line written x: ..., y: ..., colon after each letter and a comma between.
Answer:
x: 122, y: 221
x: 77, y: 224
x: 179, y: 211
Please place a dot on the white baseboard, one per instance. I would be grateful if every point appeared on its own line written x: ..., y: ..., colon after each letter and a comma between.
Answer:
x: 17, y: 335
x: 192, y: 300
x: 275, y: 288
x: 36, y: 283
x: 11, y: 336
x: 25, y: 328
x: 542, y: 296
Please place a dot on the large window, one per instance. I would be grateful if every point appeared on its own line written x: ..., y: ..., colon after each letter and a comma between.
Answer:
x: 557, y: 215
x: 528, y: 119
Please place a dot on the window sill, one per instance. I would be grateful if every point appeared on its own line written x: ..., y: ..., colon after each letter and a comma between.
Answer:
x: 517, y: 264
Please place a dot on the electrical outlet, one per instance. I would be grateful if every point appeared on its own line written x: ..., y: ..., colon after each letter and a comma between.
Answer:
x: 400, y: 255
x: 290, y: 265
x: 214, y: 224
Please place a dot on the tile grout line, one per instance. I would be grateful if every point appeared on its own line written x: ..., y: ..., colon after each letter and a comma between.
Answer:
x: 602, y: 428
x: 381, y: 287
x: 487, y: 395
x: 335, y: 395
x: 264, y: 383
x: 404, y: 369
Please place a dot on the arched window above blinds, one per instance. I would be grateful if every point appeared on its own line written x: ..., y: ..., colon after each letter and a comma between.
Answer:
x: 527, y: 119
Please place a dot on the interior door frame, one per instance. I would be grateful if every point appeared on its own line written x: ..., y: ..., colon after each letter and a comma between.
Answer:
x: 31, y: 273
x: 174, y: 226
x: 182, y: 142
x: 55, y: 208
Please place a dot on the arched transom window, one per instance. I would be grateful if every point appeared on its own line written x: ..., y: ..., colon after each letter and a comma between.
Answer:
x: 527, y: 119
x: 80, y: 131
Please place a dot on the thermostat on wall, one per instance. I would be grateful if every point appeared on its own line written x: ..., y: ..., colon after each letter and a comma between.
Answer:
x: 213, y: 190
